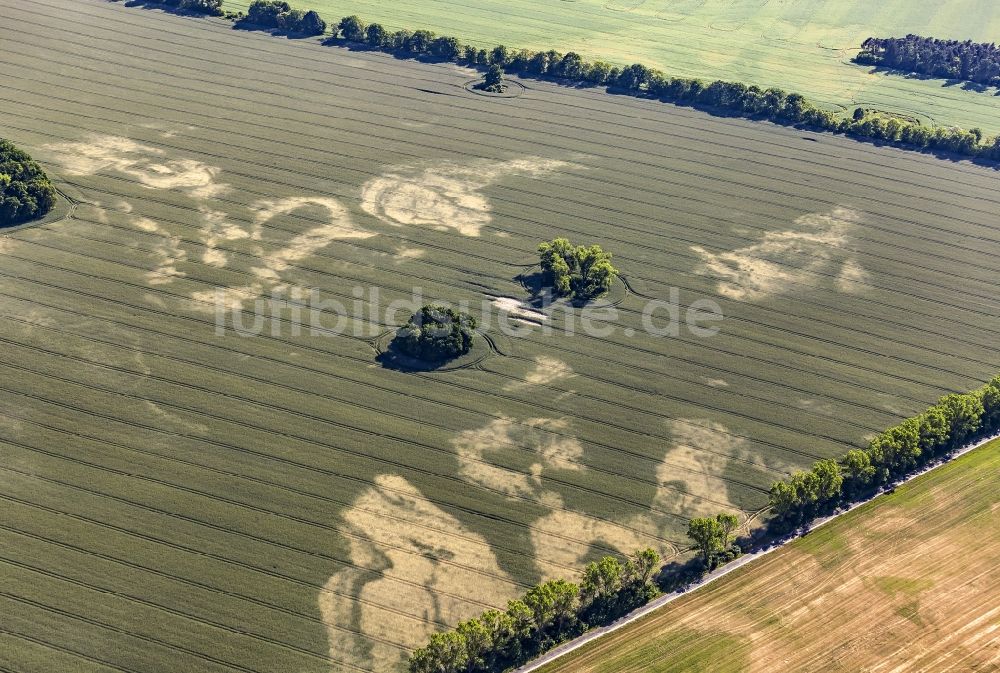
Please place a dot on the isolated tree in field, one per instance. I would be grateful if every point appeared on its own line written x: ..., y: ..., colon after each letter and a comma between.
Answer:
x: 494, y: 79
x: 436, y: 333
x: 583, y: 272
x: 352, y: 28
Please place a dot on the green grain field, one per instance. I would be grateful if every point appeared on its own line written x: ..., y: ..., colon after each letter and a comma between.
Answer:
x: 173, y: 498
x: 799, y: 45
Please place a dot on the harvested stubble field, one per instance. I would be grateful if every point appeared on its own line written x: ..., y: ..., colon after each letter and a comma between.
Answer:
x: 909, y: 582
x: 799, y: 45
x: 178, y: 500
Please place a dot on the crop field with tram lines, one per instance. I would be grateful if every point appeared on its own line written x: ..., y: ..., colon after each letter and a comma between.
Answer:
x: 913, y: 576
x: 803, y: 46
x: 173, y: 497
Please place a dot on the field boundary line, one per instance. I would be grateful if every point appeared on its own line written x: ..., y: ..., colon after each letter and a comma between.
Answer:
x: 744, y: 560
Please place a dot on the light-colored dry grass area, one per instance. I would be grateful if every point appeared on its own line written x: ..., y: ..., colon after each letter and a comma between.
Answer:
x: 910, y: 582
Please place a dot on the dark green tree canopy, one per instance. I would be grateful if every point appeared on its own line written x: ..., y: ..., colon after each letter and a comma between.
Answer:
x: 212, y: 7
x: 581, y: 272
x: 279, y: 15
x: 494, y: 79
x: 436, y: 333
x: 25, y: 191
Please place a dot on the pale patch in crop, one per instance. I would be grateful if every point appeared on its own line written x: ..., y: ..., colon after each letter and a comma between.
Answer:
x: 217, y: 229
x: 445, y: 195
x: 518, y: 310
x: 299, y: 247
x: 819, y: 407
x: 852, y: 278
x: 547, y: 370
x: 394, y: 532
x: 167, y: 252
x: 312, y: 241
x: 549, y: 535
x: 803, y: 255
x: 716, y: 383
x: 542, y: 436
x: 689, y: 461
x: 149, y: 165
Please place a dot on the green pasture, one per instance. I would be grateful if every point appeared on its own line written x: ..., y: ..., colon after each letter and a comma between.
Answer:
x: 798, y: 45
x: 173, y: 498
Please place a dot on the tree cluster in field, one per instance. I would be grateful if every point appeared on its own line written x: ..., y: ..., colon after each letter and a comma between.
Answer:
x: 948, y: 59
x: 548, y: 614
x: 946, y: 426
x: 278, y: 15
x: 25, y: 191
x: 581, y: 272
x: 436, y: 333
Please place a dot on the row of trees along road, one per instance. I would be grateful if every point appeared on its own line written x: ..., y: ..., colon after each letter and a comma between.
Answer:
x: 555, y: 611
x: 548, y: 614
x: 955, y: 420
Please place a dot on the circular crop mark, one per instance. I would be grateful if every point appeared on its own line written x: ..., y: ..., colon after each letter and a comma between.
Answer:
x: 391, y: 357
x: 513, y: 90
x: 679, y: 10
x: 530, y: 280
x: 624, y: 5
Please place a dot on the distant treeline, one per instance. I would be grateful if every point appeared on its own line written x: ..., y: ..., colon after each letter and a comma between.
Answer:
x: 278, y: 15
x: 25, y: 191
x: 548, y: 614
x: 732, y: 98
x: 210, y: 7
x: 948, y: 59
x: 893, y: 454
